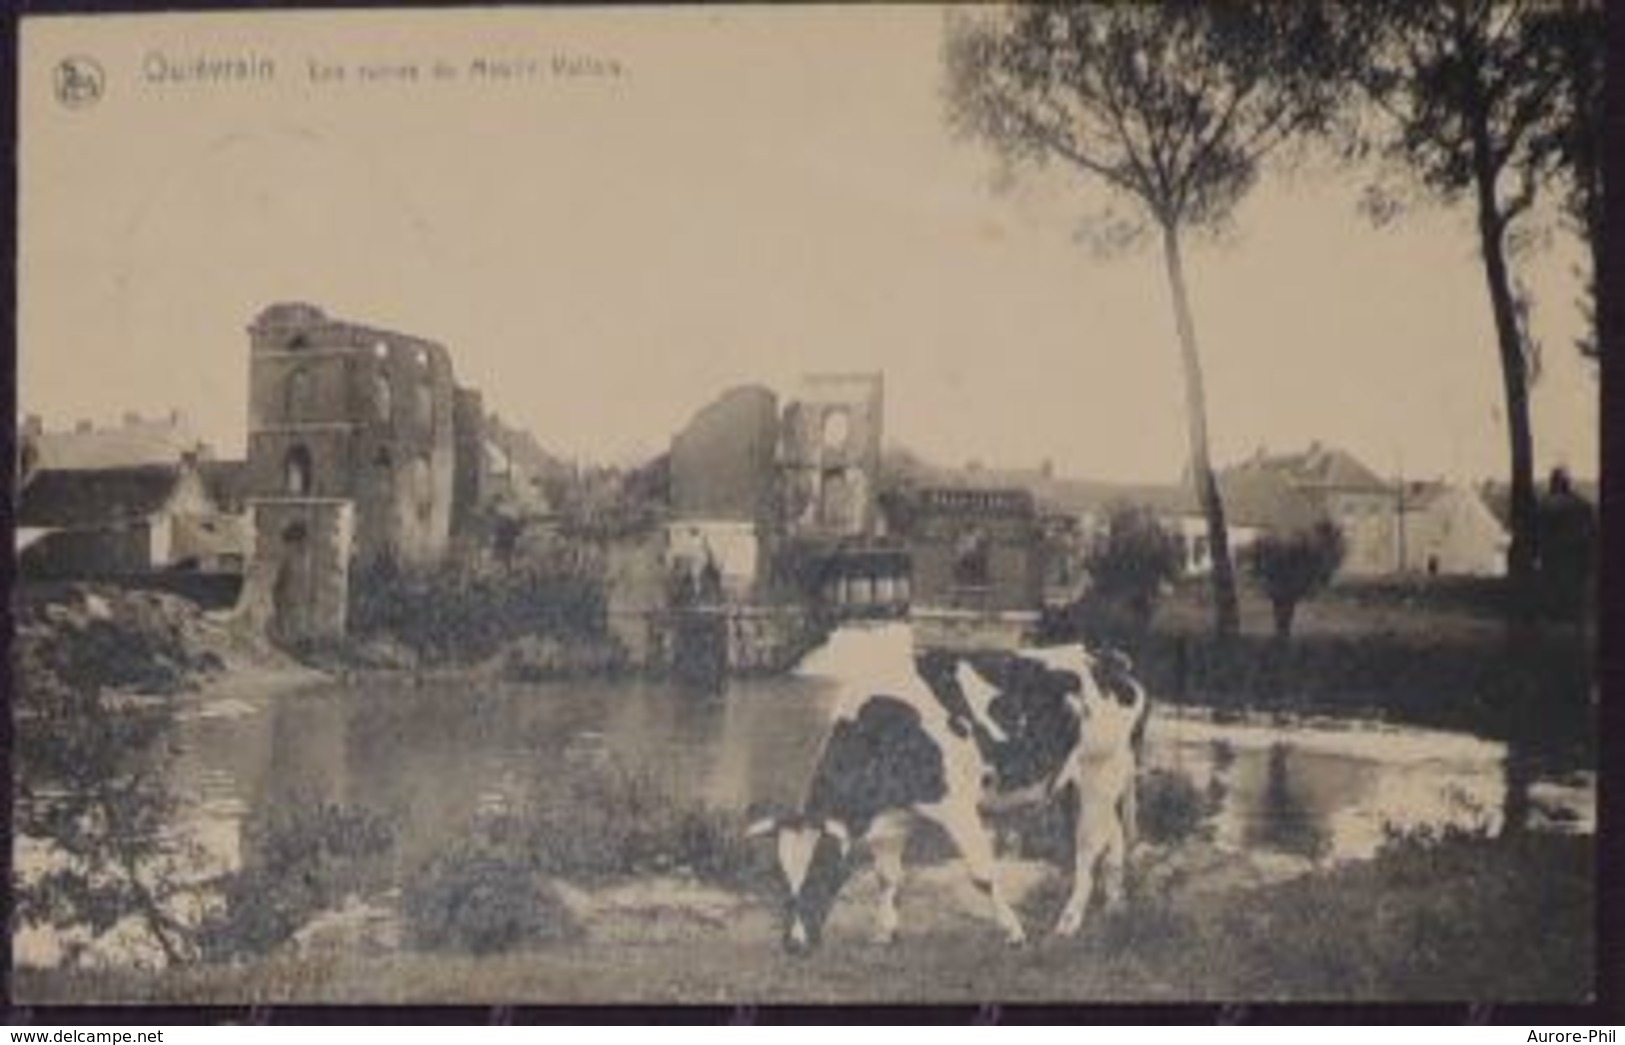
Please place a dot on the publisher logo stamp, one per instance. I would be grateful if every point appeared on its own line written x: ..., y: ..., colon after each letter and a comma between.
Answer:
x: 79, y: 82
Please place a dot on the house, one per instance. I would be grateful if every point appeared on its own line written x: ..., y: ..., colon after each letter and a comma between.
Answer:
x: 1336, y: 483
x: 1449, y: 529
x: 110, y: 523
x: 978, y: 550
x: 1256, y: 502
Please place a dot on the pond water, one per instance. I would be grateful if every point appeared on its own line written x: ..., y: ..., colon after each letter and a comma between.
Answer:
x: 434, y: 757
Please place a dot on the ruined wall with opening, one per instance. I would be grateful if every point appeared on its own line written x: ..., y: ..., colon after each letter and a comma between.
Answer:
x: 343, y: 410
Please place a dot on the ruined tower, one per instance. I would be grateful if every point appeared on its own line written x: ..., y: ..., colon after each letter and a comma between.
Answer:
x: 829, y: 452
x: 350, y: 457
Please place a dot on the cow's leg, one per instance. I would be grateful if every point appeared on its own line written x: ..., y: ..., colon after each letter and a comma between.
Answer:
x: 1090, y: 838
x: 964, y: 827
x: 886, y: 842
x: 1113, y: 858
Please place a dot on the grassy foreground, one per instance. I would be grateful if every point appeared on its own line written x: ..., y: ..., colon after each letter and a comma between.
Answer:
x: 1454, y: 919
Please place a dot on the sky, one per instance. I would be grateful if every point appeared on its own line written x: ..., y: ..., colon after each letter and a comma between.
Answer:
x: 658, y: 204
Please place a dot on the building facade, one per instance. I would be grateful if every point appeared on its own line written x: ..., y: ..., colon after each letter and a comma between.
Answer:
x: 353, y: 455
x: 121, y: 523
x: 340, y: 410
x: 829, y: 456
x: 976, y: 550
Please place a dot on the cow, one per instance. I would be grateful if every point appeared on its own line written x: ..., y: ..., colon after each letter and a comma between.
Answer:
x: 944, y: 739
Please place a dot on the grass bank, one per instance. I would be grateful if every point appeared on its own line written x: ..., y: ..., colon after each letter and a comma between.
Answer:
x: 1431, y: 919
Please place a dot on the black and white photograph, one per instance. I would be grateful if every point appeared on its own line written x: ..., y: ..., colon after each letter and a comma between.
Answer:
x: 751, y: 505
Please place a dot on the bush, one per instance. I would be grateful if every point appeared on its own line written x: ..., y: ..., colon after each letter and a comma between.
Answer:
x: 1172, y: 809
x: 610, y: 821
x: 1128, y: 568
x: 462, y: 612
x: 482, y: 896
x: 1292, y: 566
x: 302, y: 857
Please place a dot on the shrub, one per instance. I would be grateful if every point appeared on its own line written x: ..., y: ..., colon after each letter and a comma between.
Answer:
x: 1128, y: 567
x: 1172, y: 809
x: 482, y: 895
x: 609, y: 821
x: 461, y: 612
x: 1291, y: 567
x: 302, y: 857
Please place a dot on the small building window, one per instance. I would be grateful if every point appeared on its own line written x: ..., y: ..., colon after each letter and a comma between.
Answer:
x: 295, y: 533
x: 383, y: 399
x: 837, y: 430
x: 972, y: 559
x: 297, y: 472
x: 296, y: 395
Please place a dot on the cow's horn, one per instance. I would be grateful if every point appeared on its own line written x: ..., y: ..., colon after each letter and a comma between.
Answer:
x: 765, y: 826
x: 838, y: 829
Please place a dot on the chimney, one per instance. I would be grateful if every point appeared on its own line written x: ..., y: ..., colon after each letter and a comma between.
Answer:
x: 83, y: 427
x: 174, y: 418
x: 1046, y: 468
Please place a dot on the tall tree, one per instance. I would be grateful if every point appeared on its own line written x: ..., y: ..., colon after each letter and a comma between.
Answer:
x: 1571, y: 35
x: 1174, y: 106
x: 1470, y: 101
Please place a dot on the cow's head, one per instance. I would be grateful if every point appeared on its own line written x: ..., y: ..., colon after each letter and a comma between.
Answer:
x: 813, y: 861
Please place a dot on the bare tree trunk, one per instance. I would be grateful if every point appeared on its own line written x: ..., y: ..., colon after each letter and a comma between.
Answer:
x: 1226, y: 611
x: 1515, y: 381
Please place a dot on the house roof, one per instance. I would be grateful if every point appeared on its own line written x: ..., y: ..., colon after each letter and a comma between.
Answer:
x: 225, y: 481
x: 1260, y: 499
x: 1319, y: 467
x: 94, y: 496
x: 1257, y: 498
x: 137, y: 441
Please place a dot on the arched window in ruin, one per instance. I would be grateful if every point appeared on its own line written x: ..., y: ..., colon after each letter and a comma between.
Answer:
x: 837, y: 429
x: 296, y: 395
x: 425, y: 405
x: 297, y: 469
x: 295, y: 533
x: 383, y: 397
x: 422, y: 487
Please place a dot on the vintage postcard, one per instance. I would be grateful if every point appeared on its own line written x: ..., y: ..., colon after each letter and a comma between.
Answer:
x: 807, y: 504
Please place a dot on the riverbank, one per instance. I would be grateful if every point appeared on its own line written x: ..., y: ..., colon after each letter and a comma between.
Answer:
x: 1430, y: 919
x: 1423, y: 652
x: 145, y: 644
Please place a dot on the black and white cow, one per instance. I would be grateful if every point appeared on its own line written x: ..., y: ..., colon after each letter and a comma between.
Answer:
x: 943, y: 739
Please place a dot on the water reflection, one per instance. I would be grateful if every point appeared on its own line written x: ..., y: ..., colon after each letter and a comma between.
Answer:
x: 433, y: 758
